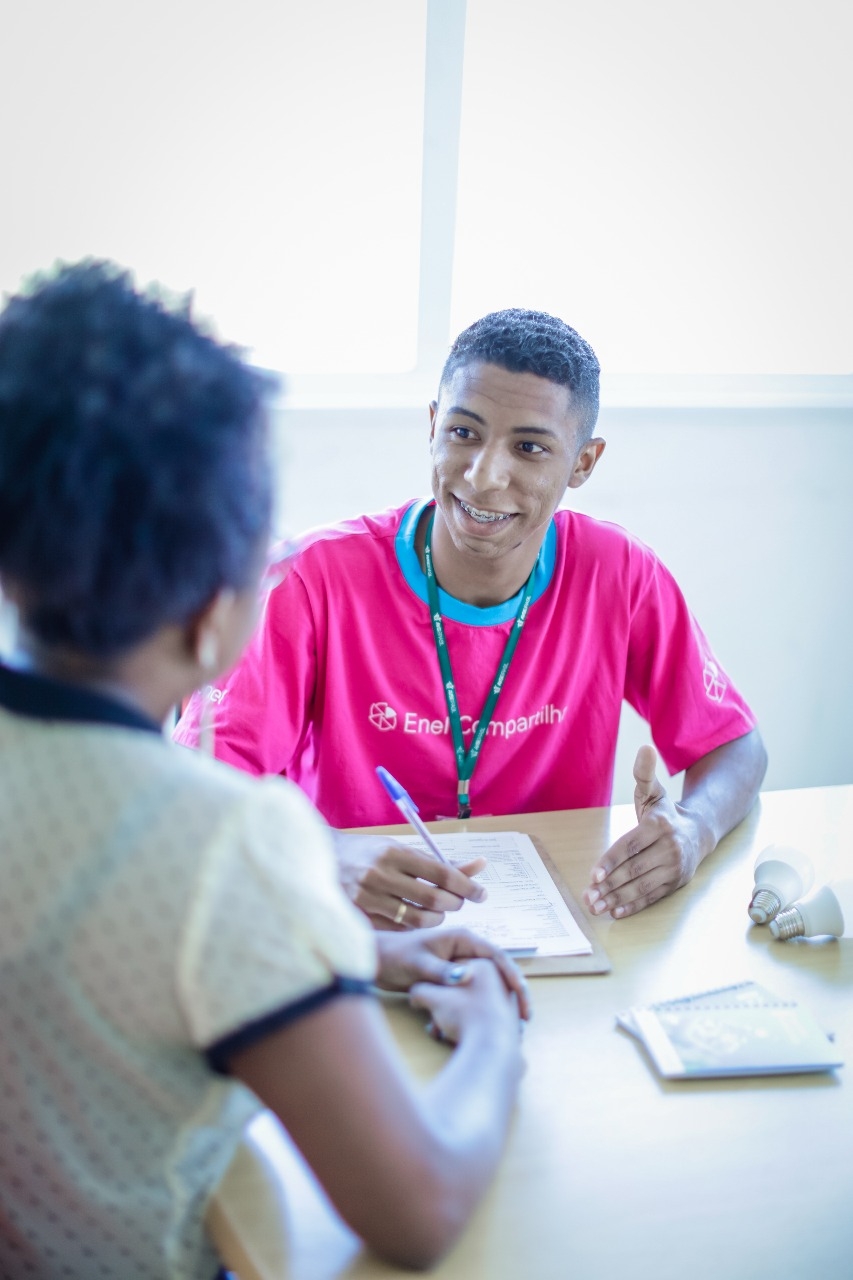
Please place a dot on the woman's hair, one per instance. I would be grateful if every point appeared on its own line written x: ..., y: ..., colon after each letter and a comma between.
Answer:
x: 134, y: 475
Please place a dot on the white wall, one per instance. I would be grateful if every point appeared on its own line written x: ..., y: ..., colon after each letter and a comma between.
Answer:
x: 751, y: 509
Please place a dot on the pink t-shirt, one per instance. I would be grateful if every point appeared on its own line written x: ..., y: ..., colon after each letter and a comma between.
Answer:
x: 342, y: 675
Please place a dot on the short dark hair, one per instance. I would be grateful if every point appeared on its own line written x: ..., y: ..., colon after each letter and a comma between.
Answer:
x: 134, y: 474
x: 532, y: 342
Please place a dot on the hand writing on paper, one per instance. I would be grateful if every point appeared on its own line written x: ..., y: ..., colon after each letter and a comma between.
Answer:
x: 398, y: 887
x: 654, y: 858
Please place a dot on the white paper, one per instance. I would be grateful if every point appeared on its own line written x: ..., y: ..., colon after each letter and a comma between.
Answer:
x: 524, y: 909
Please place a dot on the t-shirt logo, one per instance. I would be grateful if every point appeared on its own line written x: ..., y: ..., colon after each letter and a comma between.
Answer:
x: 715, y: 685
x: 382, y: 716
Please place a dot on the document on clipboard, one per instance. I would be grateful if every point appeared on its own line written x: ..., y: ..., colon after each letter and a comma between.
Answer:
x: 529, y: 912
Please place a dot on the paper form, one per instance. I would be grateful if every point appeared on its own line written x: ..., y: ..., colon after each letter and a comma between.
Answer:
x: 524, y: 908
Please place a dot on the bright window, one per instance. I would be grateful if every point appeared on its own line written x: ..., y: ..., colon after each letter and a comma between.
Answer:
x: 266, y: 155
x: 673, y: 179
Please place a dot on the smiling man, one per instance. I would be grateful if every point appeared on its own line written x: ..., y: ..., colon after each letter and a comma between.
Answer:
x: 481, y: 644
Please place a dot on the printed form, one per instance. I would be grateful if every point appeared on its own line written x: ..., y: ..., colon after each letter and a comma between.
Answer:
x: 525, y: 910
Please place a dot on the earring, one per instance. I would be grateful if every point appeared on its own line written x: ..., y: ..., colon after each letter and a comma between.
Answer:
x: 207, y: 651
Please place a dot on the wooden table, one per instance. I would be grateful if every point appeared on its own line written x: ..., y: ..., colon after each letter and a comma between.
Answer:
x: 611, y: 1172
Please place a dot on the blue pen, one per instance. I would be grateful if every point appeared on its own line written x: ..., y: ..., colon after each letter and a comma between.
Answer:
x: 409, y: 810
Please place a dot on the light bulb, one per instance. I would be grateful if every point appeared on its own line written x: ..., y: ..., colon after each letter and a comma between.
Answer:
x: 782, y: 875
x: 827, y: 910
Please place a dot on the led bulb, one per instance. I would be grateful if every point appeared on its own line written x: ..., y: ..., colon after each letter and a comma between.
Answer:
x: 828, y: 910
x: 782, y: 875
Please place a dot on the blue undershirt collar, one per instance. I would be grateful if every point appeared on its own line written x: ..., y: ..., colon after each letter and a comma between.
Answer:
x: 458, y: 610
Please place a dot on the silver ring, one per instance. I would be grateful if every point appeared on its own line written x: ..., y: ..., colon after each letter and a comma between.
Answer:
x: 401, y: 913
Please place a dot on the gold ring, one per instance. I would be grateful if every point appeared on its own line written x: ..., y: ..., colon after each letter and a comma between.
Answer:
x: 401, y: 912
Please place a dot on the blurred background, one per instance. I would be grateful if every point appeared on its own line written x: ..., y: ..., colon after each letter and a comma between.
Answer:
x: 345, y: 185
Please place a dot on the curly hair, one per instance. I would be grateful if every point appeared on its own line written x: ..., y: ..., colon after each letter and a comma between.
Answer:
x: 523, y: 341
x: 134, y: 475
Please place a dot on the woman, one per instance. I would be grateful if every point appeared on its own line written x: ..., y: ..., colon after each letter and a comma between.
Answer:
x: 174, y: 947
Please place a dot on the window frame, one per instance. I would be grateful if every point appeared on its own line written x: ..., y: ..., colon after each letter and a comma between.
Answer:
x: 444, y: 63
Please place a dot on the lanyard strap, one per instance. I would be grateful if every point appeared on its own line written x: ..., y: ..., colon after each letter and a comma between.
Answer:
x: 466, y: 760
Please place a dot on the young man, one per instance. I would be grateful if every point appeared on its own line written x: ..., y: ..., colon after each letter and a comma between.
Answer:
x: 389, y: 638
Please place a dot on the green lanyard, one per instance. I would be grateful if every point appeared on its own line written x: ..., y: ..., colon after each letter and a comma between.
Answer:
x: 465, y: 761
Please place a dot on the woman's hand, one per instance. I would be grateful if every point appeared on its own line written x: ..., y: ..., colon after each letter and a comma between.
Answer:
x: 482, y: 1003
x: 440, y: 957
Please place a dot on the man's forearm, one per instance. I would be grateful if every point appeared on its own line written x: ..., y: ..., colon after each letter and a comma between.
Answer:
x: 720, y: 789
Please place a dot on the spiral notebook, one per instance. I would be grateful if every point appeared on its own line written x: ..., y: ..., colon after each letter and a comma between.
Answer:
x: 742, y: 1030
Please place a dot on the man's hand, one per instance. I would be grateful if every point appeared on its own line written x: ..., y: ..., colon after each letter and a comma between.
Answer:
x: 440, y: 957
x: 670, y: 840
x: 654, y: 858
x: 399, y: 888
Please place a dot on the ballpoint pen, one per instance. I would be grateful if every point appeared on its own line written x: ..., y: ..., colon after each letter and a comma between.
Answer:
x: 409, y: 810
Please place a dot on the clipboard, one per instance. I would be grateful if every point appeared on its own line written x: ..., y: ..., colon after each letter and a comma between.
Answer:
x: 596, y: 961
